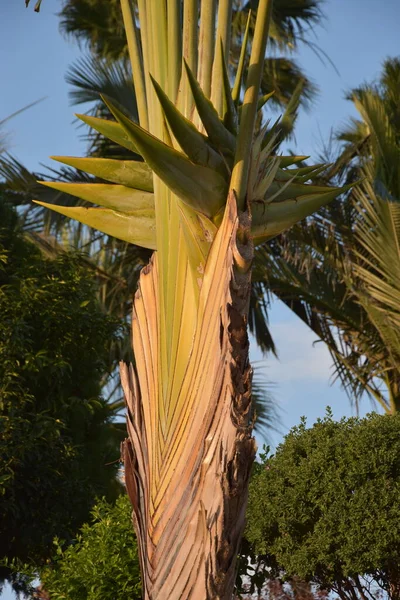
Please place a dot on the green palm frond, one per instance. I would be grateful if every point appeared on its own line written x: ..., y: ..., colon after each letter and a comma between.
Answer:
x: 306, y: 271
x: 378, y: 266
x: 282, y: 76
x: 91, y: 77
x: 265, y: 411
x: 340, y: 275
x: 385, y: 148
x: 96, y: 23
x: 258, y: 317
x: 22, y: 185
x: 389, y: 85
x: 291, y: 19
x: 375, y: 138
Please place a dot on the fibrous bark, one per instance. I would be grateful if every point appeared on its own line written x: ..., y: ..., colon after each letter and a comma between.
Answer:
x: 187, y: 479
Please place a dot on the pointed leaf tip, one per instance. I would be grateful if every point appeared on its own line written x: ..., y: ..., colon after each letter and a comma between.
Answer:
x: 230, y: 117
x: 137, y: 227
x: 197, y: 186
x: 192, y: 142
x: 131, y: 173
x: 111, y: 130
x: 239, y: 73
x: 272, y: 218
x: 219, y: 135
x: 114, y: 196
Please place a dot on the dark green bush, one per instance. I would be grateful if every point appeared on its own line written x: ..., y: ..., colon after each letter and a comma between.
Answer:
x: 56, y: 437
x: 326, y: 507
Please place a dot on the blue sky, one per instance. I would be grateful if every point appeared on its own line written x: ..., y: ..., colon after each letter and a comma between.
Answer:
x: 357, y: 35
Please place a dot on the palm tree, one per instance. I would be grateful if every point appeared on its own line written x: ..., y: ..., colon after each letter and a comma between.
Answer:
x: 206, y: 193
x: 340, y: 273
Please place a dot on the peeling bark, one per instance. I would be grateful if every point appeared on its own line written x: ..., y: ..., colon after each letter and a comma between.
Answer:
x: 188, y: 485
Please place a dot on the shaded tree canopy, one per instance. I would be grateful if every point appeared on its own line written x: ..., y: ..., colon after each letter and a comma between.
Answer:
x: 58, y: 444
x: 326, y: 506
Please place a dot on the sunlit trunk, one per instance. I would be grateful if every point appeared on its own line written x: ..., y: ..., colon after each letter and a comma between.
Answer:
x: 189, y: 492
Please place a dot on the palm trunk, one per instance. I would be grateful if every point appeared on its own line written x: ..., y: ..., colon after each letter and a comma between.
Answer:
x: 189, y: 504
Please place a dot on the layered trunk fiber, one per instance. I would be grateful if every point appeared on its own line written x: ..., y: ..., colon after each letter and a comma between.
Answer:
x: 187, y: 479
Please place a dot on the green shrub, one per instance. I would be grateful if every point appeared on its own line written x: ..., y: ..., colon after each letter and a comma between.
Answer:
x: 102, y: 562
x: 326, y: 507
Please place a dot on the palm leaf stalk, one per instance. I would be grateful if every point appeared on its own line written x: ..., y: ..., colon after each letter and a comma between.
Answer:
x: 206, y: 191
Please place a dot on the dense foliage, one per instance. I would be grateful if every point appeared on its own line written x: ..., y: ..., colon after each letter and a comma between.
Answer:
x: 323, y: 515
x: 326, y: 506
x: 57, y: 441
x: 101, y: 563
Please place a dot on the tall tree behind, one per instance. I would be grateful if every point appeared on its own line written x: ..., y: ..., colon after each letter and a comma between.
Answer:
x: 106, y: 70
x: 98, y: 26
x: 58, y: 444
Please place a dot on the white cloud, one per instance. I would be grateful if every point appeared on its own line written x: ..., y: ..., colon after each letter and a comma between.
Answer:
x: 300, y: 358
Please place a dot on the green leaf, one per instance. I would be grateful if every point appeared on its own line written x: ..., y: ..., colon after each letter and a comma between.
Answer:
x: 216, y: 130
x: 230, y: 113
x: 286, y: 161
x: 263, y: 100
x: 239, y: 73
x: 197, y: 186
x: 131, y: 173
x: 138, y: 227
x: 189, y: 138
x: 305, y: 173
x: 280, y: 190
x: 271, y: 219
x: 111, y: 130
x: 116, y: 197
x: 300, y: 175
x: 289, y: 117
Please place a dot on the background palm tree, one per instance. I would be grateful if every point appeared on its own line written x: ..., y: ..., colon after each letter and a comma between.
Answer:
x: 339, y: 271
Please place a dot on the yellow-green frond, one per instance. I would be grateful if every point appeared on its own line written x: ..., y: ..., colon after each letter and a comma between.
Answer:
x: 131, y: 173
x: 137, y: 227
